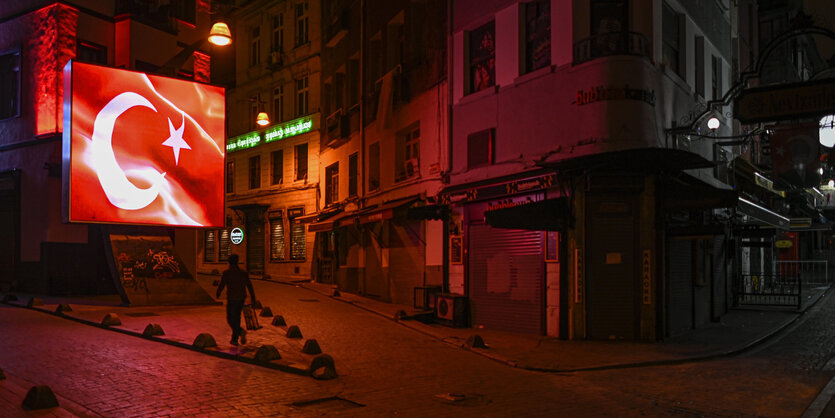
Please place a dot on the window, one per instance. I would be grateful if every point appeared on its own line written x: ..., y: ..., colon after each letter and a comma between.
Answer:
x: 278, y: 33
x: 482, y: 50
x: 480, y: 148
x: 716, y: 78
x: 302, y: 96
x: 9, y: 85
x: 277, y: 239
x: 374, y: 166
x: 537, y: 34
x: 255, y: 46
x: 297, y: 237
x: 301, y: 23
x: 301, y: 162
x: 91, y: 52
x: 699, y: 70
x: 609, y: 16
x: 255, y: 172
x: 352, y: 174
x: 224, y: 242
x: 278, y: 103
x: 407, y: 160
x: 671, y: 33
x: 331, y: 184
x: 209, y: 246
x: 184, y: 10
x: 277, y: 158
x: 230, y: 177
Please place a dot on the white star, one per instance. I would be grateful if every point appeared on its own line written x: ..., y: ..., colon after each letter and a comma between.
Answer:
x: 176, y: 140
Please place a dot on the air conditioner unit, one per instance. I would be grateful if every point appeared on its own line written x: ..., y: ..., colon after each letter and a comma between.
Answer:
x: 411, y: 167
x: 452, y: 310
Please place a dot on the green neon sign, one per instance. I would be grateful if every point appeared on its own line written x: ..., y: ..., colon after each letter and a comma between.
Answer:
x: 244, y: 141
x: 288, y: 129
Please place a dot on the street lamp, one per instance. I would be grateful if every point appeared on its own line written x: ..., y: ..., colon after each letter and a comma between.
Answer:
x: 220, y: 34
x: 713, y: 123
x: 262, y: 119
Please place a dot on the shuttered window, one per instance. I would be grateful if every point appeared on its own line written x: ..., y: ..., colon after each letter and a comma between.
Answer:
x: 277, y: 239
x: 297, y: 241
x: 224, y: 245
x: 209, y: 246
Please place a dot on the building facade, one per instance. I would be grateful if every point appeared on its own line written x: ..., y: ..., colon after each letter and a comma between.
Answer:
x: 41, y: 252
x: 579, y: 210
x: 272, y: 177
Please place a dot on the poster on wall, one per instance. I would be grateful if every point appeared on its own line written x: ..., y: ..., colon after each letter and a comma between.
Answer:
x: 142, y: 149
x: 150, y: 272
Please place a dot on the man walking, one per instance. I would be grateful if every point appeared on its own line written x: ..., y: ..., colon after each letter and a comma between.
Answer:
x: 238, y: 282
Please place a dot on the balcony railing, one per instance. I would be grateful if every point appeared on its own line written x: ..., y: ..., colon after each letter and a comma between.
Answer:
x: 612, y: 43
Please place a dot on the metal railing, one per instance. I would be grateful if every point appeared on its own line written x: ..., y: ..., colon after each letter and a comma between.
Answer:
x: 771, y: 290
x: 612, y: 43
x: 814, y: 272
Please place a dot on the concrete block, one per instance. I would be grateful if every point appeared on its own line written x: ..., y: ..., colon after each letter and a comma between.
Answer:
x: 294, y: 332
x: 111, y: 319
x: 33, y: 301
x: 267, y: 312
x: 40, y: 397
x: 267, y: 353
x: 64, y: 307
x: 257, y: 305
x: 475, y: 341
x: 399, y: 315
x: 153, y: 329
x: 279, y: 321
x: 204, y: 340
x: 311, y: 347
x: 336, y: 292
x: 322, y: 367
x: 215, y: 283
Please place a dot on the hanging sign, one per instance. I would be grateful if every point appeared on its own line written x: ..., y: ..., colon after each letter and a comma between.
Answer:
x: 236, y: 236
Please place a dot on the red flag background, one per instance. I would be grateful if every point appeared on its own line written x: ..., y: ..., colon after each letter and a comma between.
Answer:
x: 190, y: 193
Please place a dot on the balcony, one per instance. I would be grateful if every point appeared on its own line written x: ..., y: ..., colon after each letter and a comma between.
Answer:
x: 613, y: 43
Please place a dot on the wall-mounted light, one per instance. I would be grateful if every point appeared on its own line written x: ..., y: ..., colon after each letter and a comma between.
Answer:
x: 262, y: 119
x: 220, y: 34
x: 713, y: 123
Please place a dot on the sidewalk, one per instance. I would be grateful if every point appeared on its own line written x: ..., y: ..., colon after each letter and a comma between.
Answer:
x: 737, y: 331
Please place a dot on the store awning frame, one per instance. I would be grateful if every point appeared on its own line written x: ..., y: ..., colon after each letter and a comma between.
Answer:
x: 544, y: 215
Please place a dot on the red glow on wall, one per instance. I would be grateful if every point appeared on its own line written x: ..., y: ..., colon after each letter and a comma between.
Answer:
x: 202, y: 67
x: 143, y: 149
x: 52, y: 45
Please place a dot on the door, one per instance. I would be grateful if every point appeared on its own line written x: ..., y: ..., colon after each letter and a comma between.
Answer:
x: 255, y: 241
x: 9, y: 226
x: 612, y: 266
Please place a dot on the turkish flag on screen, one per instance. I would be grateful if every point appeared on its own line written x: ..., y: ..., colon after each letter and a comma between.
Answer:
x: 795, y: 154
x: 143, y: 149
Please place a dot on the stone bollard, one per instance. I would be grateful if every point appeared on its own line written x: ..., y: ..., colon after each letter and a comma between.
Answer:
x: 336, y: 292
x: 152, y: 330
x: 204, y: 340
x: 64, y: 307
x: 267, y: 353
x: 279, y: 321
x: 294, y: 332
x: 475, y: 341
x: 322, y: 367
x: 400, y: 315
x: 215, y: 283
x: 257, y: 305
x: 40, y: 397
x: 311, y: 347
x: 266, y: 311
x: 33, y: 301
x: 111, y: 319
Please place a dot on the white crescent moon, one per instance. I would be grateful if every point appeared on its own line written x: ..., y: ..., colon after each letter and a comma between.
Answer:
x: 118, y: 189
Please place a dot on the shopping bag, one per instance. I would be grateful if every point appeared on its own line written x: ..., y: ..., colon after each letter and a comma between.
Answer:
x: 250, y: 318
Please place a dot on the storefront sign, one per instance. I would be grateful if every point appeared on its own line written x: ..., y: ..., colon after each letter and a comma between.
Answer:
x: 792, y: 101
x: 646, y: 278
x: 273, y: 133
x: 579, y: 281
x: 784, y: 243
x: 244, y: 141
x: 237, y: 236
x: 603, y: 93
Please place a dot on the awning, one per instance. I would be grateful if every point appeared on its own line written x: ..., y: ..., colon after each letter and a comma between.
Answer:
x: 762, y: 214
x: 377, y: 213
x: 688, y: 192
x: 646, y: 160
x: 330, y: 223
x: 544, y: 215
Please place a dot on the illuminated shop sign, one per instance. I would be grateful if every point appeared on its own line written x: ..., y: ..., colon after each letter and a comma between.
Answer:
x: 142, y: 149
x: 274, y: 133
x: 237, y: 236
x: 603, y: 93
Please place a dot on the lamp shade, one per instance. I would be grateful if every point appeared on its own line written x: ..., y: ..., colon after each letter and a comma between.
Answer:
x: 220, y: 34
x: 262, y: 119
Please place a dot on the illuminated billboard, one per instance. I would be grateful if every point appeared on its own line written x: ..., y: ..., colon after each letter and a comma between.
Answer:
x: 142, y: 149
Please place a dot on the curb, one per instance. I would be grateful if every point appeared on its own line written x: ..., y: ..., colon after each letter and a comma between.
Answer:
x: 290, y: 368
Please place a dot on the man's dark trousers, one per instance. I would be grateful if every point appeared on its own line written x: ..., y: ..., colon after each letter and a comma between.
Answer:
x: 233, y: 316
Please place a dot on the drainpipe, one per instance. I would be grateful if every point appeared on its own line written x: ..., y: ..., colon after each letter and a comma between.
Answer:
x: 449, y: 78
